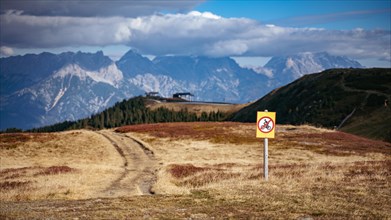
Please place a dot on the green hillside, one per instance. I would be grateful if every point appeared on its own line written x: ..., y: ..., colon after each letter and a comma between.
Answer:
x: 350, y: 100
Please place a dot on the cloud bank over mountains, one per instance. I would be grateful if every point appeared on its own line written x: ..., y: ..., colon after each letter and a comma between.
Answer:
x: 192, y: 33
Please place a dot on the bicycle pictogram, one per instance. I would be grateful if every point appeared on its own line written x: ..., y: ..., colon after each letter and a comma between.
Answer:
x: 265, y: 124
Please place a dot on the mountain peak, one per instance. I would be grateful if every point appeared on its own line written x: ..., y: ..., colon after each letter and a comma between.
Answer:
x: 89, y: 61
x: 110, y: 74
x: 131, y: 54
x: 133, y: 63
x: 291, y: 67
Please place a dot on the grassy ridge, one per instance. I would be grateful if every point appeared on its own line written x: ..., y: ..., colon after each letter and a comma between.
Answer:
x: 327, y: 99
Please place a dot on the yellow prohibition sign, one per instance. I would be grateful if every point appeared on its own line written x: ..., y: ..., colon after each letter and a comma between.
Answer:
x: 266, y: 124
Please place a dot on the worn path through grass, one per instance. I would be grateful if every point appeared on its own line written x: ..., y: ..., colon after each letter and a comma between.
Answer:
x: 139, y: 167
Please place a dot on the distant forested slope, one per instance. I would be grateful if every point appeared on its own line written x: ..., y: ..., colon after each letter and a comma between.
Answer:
x: 129, y: 112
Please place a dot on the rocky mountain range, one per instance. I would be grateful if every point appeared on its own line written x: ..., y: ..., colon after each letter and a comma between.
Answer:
x: 286, y: 69
x: 43, y: 89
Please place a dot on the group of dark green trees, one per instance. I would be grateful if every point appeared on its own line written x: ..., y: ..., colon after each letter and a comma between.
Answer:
x: 131, y: 112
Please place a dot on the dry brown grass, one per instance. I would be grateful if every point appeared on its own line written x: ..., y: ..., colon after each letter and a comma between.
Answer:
x: 181, y: 171
x: 313, y: 172
x: 54, y: 170
x: 197, y: 108
x: 211, y: 131
x: 66, y: 165
x: 214, y: 170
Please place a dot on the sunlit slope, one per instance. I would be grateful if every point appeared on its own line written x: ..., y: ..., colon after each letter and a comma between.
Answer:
x: 196, y: 107
x: 352, y: 100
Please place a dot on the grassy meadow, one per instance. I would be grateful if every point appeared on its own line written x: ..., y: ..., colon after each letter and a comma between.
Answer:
x: 312, y: 171
x: 65, y: 165
x: 205, y: 170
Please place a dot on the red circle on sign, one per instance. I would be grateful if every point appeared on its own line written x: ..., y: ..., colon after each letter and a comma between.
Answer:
x: 267, y: 126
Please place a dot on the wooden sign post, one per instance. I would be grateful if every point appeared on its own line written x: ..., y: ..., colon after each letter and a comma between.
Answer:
x: 266, y: 124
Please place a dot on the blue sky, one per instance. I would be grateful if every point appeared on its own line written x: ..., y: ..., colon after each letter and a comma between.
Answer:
x: 250, y: 31
x: 306, y: 13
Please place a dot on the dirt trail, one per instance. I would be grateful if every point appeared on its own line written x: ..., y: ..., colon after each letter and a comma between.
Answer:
x: 138, y: 166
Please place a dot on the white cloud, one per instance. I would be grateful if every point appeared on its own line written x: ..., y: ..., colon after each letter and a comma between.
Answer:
x: 262, y: 70
x: 6, y: 51
x: 194, y: 33
x: 232, y: 47
x: 204, y: 14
